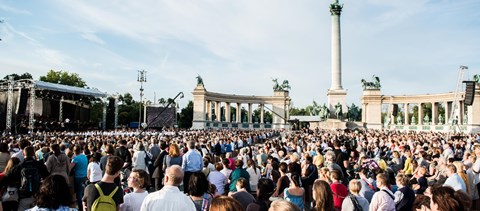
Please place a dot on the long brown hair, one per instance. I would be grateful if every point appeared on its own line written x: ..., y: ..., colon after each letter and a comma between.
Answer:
x: 10, y: 164
x: 323, y: 196
x: 446, y: 199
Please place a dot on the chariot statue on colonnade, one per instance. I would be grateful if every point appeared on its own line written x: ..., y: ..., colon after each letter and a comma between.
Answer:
x: 199, y: 80
x: 285, y: 86
x: 375, y: 84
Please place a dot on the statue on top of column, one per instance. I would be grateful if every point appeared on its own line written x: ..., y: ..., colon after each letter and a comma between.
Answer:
x: 399, y: 120
x: 336, y: 8
x: 375, y: 84
x: 476, y: 78
x: 199, y: 80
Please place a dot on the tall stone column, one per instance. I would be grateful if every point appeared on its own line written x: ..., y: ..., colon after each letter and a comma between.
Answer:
x: 447, y: 113
x: 336, y: 94
x: 239, y: 112
x: 227, y: 112
x: 199, y: 107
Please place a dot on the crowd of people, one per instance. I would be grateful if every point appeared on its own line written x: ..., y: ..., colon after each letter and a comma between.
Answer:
x: 230, y: 169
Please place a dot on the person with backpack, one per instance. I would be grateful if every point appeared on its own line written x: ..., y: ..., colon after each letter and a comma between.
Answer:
x: 105, y: 195
x: 28, y: 176
x: 354, y: 201
x: 384, y: 198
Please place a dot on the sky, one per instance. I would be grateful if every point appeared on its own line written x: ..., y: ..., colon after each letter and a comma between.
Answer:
x: 237, y: 47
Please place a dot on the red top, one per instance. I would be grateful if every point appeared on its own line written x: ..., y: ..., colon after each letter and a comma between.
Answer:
x: 340, y: 191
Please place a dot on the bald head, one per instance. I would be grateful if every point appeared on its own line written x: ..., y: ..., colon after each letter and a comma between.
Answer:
x: 174, y: 174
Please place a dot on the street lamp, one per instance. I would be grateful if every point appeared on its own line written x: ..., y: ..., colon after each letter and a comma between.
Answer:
x: 142, y: 77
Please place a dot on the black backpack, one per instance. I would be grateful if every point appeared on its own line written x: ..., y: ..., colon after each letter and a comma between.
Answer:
x: 356, y: 205
x: 30, y: 179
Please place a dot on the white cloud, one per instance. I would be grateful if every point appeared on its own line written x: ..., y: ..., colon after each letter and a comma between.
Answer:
x: 91, y: 36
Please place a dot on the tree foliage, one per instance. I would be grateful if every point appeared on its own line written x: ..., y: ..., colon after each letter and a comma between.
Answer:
x: 186, y: 116
x: 18, y: 77
x: 63, y: 77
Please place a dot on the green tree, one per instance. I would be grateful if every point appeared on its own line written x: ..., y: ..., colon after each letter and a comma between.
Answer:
x: 162, y: 101
x: 186, y: 116
x: 64, y: 77
x: 298, y: 112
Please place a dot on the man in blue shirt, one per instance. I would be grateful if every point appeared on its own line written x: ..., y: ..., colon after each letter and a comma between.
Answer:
x: 192, y: 162
x: 79, y: 164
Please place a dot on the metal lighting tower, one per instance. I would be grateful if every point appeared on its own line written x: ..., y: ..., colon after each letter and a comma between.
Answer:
x: 142, y: 77
x: 11, y: 83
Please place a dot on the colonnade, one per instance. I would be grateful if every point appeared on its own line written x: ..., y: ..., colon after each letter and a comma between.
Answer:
x: 207, y: 107
x: 394, y: 112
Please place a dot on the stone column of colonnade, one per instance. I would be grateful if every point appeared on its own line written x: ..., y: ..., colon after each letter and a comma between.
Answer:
x: 227, y: 112
x: 217, y: 111
x: 420, y: 113
x: 250, y: 113
x: 208, y: 111
x: 434, y: 113
x: 261, y: 113
x: 406, y: 111
x: 239, y: 113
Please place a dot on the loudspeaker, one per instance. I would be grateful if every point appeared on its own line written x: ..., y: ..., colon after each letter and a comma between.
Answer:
x: 22, y: 104
x: 469, y: 92
x: 395, y: 110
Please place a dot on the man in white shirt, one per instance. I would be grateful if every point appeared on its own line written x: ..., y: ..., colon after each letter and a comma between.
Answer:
x: 169, y: 197
x: 454, y: 180
x: 384, y: 198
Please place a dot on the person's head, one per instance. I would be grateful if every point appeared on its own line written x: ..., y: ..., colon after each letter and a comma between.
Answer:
x: 77, y: 149
x: 382, y: 180
x: 114, y: 165
x: 141, y: 147
x: 22, y: 144
x: 476, y: 149
x: 174, y: 175
x: 402, y: 180
x: 55, y: 149
x: 295, y: 180
x: 241, y: 183
x: 238, y: 164
x: 138, y: 179
x: 323, y: 195
x: 122, y: 142
x: 451, y: 169
x: 10, y: 164
x: 225, y: 203
x: 443, y: 198
x: 226, y: 163
x: 109, y: 149
x: 459, y: 166
x: 173, y: 150
x: 198, y: 184
x: 283, y: 167
x: 164, y: 145
x: 283, y: 205
x: 354, y: 186
x: 421, y: 203
x: 335, y: 175
x: 52, y: 193
x: 29, y: 152
x: 95, y: 157
x: 191, y: 145
x: 329, y: 156
x: 265, y: 188
x: 218, y: 166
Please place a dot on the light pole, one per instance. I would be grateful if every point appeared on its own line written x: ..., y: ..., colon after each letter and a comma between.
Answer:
x: 142, y: 77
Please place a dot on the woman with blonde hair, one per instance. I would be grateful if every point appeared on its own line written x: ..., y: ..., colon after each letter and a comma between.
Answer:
x: 283, y: 205
x: 354, y: 198
x: 173, y: 157
x: 324, y: 174
x: 138, y: 180
x: 323, y: 196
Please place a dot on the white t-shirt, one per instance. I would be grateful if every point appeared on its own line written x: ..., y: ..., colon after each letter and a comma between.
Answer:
x: 95, y: 172
x: 133, y: 201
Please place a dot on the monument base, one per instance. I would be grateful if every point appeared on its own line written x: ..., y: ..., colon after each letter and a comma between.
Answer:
x: 333, y: 124
x: 337, y: 96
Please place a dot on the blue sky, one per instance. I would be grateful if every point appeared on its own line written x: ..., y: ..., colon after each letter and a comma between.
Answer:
x: 414, y: 46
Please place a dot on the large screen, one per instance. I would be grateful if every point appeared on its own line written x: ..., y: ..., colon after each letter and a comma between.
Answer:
x: 158, y: 117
